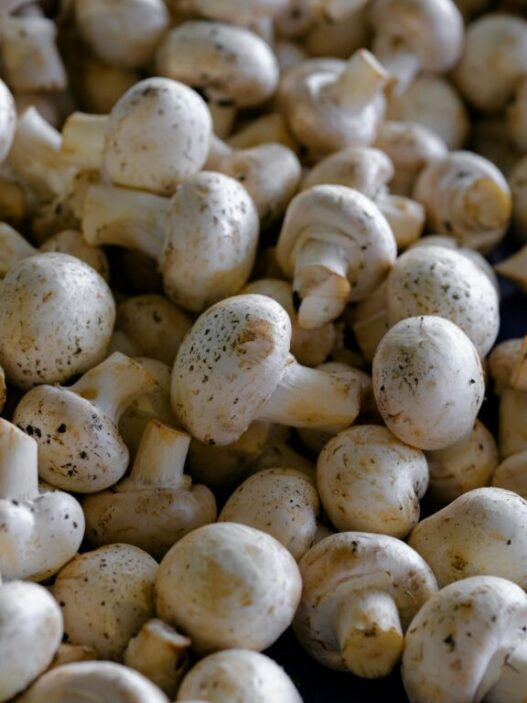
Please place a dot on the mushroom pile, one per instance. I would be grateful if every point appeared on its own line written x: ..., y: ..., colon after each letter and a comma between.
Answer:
x: 252, y: 260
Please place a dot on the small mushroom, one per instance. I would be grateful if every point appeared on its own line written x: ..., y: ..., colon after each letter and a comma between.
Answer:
x: 514, y: 268
x: 502, y: 361
x: 105, y: 597
x: 369, y: 480
x: 234, y: 367
x: 72, y: 653
x: 269, y: 128
x: 428, y: 382
x: 101, y: 85
x: 360, y: 593
x: 238, y: 674
x: 233, y: 12
x: 7, y: 120
x: 80, y: 448
x: 518, y: 186
x: 511, y: 474
x: 517, y: 116
x: 512, y: 428
x: 339, y: 39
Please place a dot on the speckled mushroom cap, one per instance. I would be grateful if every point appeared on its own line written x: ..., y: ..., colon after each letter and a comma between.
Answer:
x: 461, y: 640
x: 435, y: 280
x: 49, y: 333
x: 7, y: 120
x: 348, y: 219
x: 238, y: 675
x: 228, y: 365
x: 481, y: 532
x: 342, y: 567
x: 428, y: 382
x: 227, y: 585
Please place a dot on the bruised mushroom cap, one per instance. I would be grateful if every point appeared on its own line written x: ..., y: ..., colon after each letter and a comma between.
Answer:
x: 428, y: 382
x: 238, y: 675
x: 97, y: 681
x: 227, y: 585
x: 157, y: 135
x: 342, y: 568
x: 49, y: 333
x: 30, y: 634
x: 461, y: 639
x: 439, y: 281
x: 481, y: 532
x: 7, y: 120
x: 228, y: 365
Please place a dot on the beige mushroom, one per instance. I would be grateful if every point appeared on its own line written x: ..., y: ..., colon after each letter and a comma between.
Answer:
x: 502, y: 361
x: 233, y: 12
x: 101, y: 85
x: 517, y: 116
x: 269, y: 128
x: 511, y: 474
x: 339, y: 39
x: 512, y: 430
x: 7, y: 120
x: 514, y: 268
x: 518, y: 186
x: 71, y: 654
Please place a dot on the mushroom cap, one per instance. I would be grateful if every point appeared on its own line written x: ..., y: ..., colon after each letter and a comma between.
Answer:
x: 228, y: 366
x: 157, y: 135
x: 369, y: 480
x: 461, y: 638
x: 105, y: 596
x: 230, y: 65
x: 351, y: 220
x: 502, y: 361
x: 428, y: 382
x: 435, y: 280
x: 98, y: 681
x: 354, y: 561
x: 227, y: 585
x: 71, y: 242
x: 238, y: 675
x: 49, y: 333
x: 512, y: 474
x: 7, y: 120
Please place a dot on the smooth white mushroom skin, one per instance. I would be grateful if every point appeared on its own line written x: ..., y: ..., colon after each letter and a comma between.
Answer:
x: 237, y: 674
x: 428, y: 382
x: 227, y: 585
x: 49, y: 334
x: 7, y: 120
x: 30, y: 633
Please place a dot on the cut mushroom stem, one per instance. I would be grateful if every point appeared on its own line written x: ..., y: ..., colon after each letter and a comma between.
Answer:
x: 18, y: 465
x: 83, y: 138
x: 161, y: 457
x: 362, y: 79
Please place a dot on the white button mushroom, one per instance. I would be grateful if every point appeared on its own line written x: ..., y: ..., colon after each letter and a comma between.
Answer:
x: 105, y: 597
x: 360, y: 593
x: 227, y: 585
x: 80, y: 448
x: 428, y: 382
x: 234, y: 367
x: 7, y: 120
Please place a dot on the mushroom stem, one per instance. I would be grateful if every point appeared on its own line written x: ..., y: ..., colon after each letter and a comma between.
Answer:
x: 83, y: 140
x: 307, y: 397
x: 511, y: 686
x: 360, y: 81
x: 161, y: 456
x: 321, y: 281
x: 369, y: 631
x: 113, y: 385
x: 406, y: 217
x: 403, y: 67
x: 18, y: 463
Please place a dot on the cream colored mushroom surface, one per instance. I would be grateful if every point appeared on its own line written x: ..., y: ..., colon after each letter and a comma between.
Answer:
x: 512, y: 427
x: 40, y: 531
x: 104, y: 682
x: 502, y: 361
x: 30, y: 634
x: 467, y: 644
x: 517, y: 116
x: 227, y: 585
x: 360, y: 593
x: 428, y: 382
x: 337, y: 247
x: 80, y: 448
x: 369, y: 480
x: 156, y: 136
x: 479, y: 533
x: 156, y: 504
x: 105, y: 597
x: 7, y: 120
x: 238, y: 675
x: 234, y: 367
x: 512, y: 474
x: 228, y: 11
x: 518, y: 186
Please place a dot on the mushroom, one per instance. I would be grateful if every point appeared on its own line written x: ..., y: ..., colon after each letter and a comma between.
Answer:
x: 340, y: 39
x: 105, y: 597
x: 428, y: 382
x: 238, y: 674
x: 370, y: 321
x: 269, y: 128
x: 435, y: 280
x: 514, y: 268
x: 281, y: 502
x: 234, y: 367
x: 512, y: 425
x: 100, y: 85
x: 79, y: 446
x: 227, y: 585
x: 156, y: 504
x: 72, y: 653
x: 479, y: 533
x: 517, y: 116
x: 337, y: 246
x: 463, y: 466
x: 48, y: 333
x: 122, y: 34
x: 99, y: 681
x: 518, y: 186
x: 467, y: 644
x: 30, y: 633
x: 204, y: 238
x: 511, y: 474
x: 360, y: 593
x: 155, y: 137
x: 502, y: 361
x: 7, y: 120
x: 467, y: 197
x: 518, y: 379
x: 369, y: 480
x: 233, y: 12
